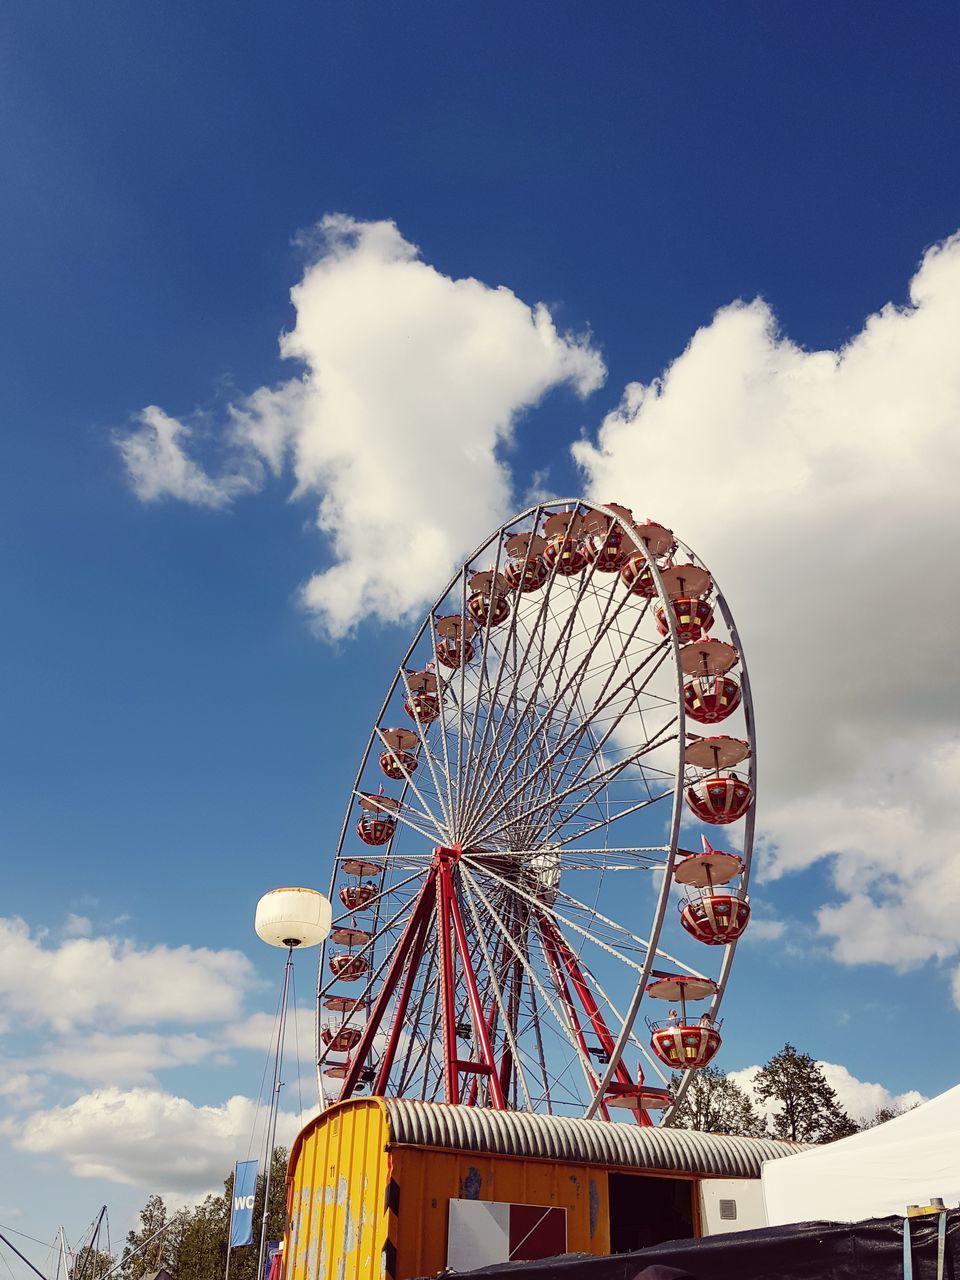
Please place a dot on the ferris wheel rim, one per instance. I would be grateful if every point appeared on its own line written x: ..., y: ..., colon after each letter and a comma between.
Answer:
x: 459, y: 579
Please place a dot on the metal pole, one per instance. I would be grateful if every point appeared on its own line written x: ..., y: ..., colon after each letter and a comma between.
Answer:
x: 274, y: 1108
x: 21, y: 1257
x: 226, y: 1270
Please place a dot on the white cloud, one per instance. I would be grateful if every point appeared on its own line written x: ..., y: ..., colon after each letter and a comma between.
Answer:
x: 413, y: 382
x: 258, y: 1031
x: 85, y: 980
x: 148, y: 1137
x: 159, y: 467
x: 765, y: 930
x: 77, y: 926
x: 101, y: 1057
x: 859, y: 1098
x: 820, y: 486
x: 20, y: 1088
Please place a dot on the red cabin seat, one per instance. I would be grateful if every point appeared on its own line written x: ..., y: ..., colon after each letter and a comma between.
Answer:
x: 526, y: 575
x: 685, y: 1046
x: 348, y: 967
x: 693, y: 615
x: 375, y: 828
x: 710, y: 699
x: 452, y: 654
x: 608, y: 552
x: 356, y: 896
x: 719, y: 799
x: 398, y: 765
x: 565, y: 554
x: 479, y: 608
x: 636, y: 575
x: 340, y: 1039
x: 715, y: 918
x: 422, y: 707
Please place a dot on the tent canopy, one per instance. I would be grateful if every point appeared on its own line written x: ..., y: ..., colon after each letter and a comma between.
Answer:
x: 871, y: 1174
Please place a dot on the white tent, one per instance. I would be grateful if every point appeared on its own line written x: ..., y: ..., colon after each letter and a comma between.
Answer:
x: 871, y: 1174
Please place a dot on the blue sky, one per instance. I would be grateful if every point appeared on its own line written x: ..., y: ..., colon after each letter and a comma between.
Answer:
x: 179, y: 735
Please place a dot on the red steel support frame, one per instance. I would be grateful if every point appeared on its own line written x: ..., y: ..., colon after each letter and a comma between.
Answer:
x: 448, y: 916
x: 580, y: 985
x: 448, y: 1027
x: 438, y: 893
x: 414, y: 933
x: 389, y: 1053
x: 548, y: 937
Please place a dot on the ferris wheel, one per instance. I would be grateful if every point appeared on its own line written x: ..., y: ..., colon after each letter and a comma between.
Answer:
x: 524, y: 866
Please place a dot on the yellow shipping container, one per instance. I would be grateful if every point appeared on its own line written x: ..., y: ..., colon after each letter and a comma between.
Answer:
x: 383, y: 1188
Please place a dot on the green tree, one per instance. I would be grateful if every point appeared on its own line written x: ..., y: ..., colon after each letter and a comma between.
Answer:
x: 198, y: 1242
x: 807, y: 1107
x: 715, y: 1104
x: 145, y: 1251
x: 883, y: 1114
x: 194, y: 1244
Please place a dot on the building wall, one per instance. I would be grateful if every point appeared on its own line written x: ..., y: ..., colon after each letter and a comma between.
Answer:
x: 428, y: 1179
x: 338, y: 1217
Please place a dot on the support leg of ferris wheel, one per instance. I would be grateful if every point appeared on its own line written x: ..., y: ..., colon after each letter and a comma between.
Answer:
x: 555, y: 961
x: 450, y: 920
x: 582, y: 988
x: 415, y: 929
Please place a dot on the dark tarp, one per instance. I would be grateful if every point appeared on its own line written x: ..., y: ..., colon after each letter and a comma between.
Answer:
x: 802, y: 1251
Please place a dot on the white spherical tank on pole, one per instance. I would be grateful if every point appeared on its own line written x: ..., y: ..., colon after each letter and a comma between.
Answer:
x: 289, y: 918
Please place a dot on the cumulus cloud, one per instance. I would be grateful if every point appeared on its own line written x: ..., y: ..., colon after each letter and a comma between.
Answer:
x: 159, y: 467
x: 411, y: 385
x: 98, y: 1057
x: 83, y: 980
x: 859, y: 1098
x: 765, y: 930
x: 149, y: 1137
x: 258, y: 1031
x: 820, y: 486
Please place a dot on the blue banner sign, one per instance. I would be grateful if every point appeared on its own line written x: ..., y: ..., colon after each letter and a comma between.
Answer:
x: 241, y: 1212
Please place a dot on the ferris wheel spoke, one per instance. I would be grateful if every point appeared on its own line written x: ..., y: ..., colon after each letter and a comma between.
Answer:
x: 504, y: 648
x: 421, y: 1040
x: 425, y: 746
x: 544, y: 834
x: 571, y: 1019
x: 519, y: 612
x: 597, y: 781
x: 402, y: 814
x: 541, y: 906
x: 577, y: 673
x: 634, y: 1040
x: 539, y: 674
x: 497, y: 994
x: 589, y: 719
x: 574, y: 740
x: 620, y: 930
x: 410, y: 782
x: 536, y: 630
x: 481, y: 672
x: 528, y: 967
x: 443, y: 703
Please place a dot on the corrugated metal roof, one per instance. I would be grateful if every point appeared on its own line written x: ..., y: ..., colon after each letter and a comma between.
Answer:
x: 520, y: 1133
